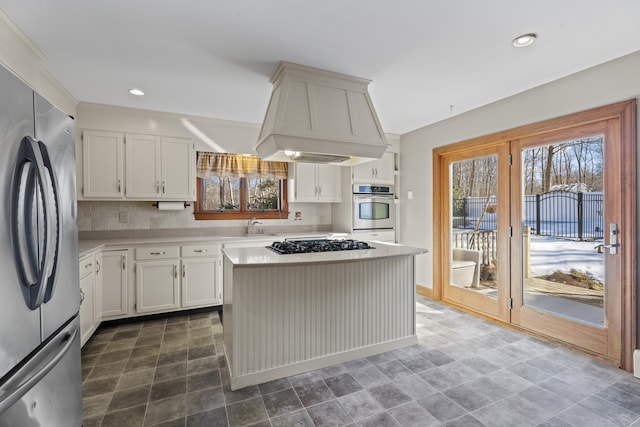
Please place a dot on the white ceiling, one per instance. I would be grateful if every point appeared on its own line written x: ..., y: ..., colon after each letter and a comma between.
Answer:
x: 214, y: 58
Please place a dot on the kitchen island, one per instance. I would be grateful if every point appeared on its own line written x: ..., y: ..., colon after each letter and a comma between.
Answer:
x: 288, y: 314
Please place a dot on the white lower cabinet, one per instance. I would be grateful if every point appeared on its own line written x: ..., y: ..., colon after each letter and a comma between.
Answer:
x: 171, y: 277
x: 157, y: 286
x: 114, y: 283
x: 90, y: 311
x: 201, y: 285
x: 97, y: 298
x: 199, y: 282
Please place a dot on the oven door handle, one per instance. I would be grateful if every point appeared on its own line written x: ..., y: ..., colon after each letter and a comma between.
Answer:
x: 372, y: 197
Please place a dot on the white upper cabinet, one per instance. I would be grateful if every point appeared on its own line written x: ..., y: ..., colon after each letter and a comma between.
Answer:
x: 178, y: 169
x: 143, y: 166
x: 137, y: 167
x: 380, y: 171
x: 103, y: 165
x: 311, y: 182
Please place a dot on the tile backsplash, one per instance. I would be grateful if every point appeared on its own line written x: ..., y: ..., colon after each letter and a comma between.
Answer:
x: 106, y: 216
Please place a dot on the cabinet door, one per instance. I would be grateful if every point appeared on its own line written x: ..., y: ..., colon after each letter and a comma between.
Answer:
x: 103, y: 165
x: 86, y: 307
x: 157, y: 286
x: 329, y: 183
x: 114, y: 283
x: 385, y: 169
x: 97, y: 291
x: 305, y: 182
x: 380, y: 171
x: 199, y: 282
x: 178, y: 169
x: 363, y: 172
x: 143, y: 166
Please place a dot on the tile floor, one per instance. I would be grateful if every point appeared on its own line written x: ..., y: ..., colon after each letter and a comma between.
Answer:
x: 465, y: 371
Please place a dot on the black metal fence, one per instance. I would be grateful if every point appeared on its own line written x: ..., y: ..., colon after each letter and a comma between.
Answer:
x: 558, y: 214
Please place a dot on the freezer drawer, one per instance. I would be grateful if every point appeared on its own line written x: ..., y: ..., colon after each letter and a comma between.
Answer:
x: 54, y: 400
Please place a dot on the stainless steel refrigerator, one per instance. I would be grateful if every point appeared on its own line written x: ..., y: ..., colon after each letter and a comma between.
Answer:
x: 40, y: 379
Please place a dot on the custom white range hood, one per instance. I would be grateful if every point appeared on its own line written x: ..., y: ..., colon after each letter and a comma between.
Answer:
x: 320, y: 116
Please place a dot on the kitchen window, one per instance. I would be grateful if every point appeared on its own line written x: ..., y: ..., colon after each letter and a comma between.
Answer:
x: 238, y: 186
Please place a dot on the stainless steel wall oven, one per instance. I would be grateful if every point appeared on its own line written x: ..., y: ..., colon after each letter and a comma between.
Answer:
x: 373, y: 207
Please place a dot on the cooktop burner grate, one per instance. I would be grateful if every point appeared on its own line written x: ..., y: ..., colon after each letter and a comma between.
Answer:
x: 320, y: 245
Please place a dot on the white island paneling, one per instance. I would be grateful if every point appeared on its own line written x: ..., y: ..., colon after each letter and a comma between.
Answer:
x: 287, y: 314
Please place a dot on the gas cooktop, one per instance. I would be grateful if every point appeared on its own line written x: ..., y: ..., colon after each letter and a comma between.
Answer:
x: 319, y: 245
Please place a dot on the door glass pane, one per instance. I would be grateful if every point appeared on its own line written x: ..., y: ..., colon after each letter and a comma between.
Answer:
x: 474, y: 224
x: 563, y: 229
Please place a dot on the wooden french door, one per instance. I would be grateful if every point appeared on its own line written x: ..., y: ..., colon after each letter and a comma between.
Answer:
x: 475, y: 237
x: 576, y: 294
x: 536, y: 228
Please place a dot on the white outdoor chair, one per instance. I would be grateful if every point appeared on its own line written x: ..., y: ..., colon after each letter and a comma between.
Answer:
x: 465, y: 267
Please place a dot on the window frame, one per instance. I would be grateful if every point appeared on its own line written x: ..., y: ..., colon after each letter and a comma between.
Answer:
x: 201, y: 214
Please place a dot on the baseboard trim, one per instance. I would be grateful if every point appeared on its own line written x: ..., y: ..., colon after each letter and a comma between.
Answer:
x: 424, y: 291
x: 156, y: 316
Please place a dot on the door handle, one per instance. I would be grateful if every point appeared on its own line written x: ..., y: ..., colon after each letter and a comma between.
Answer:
x: 28, y: 182
x: 50, y: 222
x: 613, y: 239
x: 20, y: 383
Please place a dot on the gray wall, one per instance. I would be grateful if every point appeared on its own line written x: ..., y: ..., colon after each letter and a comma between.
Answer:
x: 604, y: 84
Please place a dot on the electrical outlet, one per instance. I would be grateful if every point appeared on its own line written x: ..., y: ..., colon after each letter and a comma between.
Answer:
x: 124, y: 217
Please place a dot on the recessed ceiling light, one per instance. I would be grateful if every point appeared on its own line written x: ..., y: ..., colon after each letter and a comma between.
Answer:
x: 136, y: 92
x: 524, y: 40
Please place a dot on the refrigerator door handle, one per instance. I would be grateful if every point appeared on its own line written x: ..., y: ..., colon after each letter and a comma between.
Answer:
x: 37, y: 368
x: 53, y: 219
x: 24, y: 189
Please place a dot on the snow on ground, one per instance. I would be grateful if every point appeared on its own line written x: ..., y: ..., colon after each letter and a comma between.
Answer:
x: 549, y: 254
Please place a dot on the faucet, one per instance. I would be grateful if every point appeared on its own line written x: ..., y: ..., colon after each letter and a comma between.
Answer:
x: 251, y: 225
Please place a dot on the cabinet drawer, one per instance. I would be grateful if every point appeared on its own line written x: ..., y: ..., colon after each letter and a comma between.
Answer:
x: 86, y: 265
x: 158, y: 252
x: 200, y: 250
x: 382, y: 236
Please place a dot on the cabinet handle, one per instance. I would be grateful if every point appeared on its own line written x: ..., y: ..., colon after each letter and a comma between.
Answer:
x: 175, y: 271
x: 184, y: 271
x: 163, y: 187
x: 158, y: 187
x: 319, y: 190
x: 98, y: 267
x: 81, y: 296
x: 124, y: 262
x: 157, y: 253
x: 119, y: 186
x: 88, y: 265
x: 199, y: 250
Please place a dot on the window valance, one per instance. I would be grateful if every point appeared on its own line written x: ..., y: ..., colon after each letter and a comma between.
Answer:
x: 238, y: 166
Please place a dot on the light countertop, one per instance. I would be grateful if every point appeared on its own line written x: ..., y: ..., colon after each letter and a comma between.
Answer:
x: 87, y: 247
x: 260, y: 257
